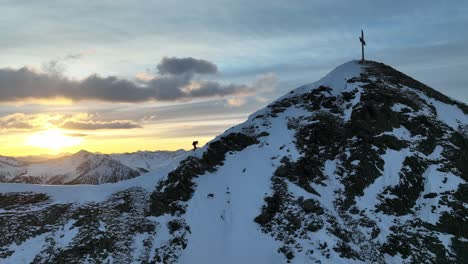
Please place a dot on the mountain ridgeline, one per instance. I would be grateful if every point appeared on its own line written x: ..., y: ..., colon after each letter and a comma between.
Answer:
x: 367, y: 165
x: 85, y: 167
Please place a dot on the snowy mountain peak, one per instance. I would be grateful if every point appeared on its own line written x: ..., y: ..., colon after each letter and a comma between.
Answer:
x: 336, y: 79
x: 367, y: 165
x: 82, y: 153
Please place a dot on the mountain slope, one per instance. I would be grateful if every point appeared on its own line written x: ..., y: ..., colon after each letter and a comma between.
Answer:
x: 10, y: 168
x: 85, y: 167
x: 366, y: 165
x: 148, y: 160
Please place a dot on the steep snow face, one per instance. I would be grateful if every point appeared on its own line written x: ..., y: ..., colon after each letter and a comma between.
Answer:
x: 362, y: 166
x: 336, y: 80
x: 149, y: 160
x: 84, y: 167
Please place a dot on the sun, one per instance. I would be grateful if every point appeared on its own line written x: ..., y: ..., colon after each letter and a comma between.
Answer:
x: 53, y: 139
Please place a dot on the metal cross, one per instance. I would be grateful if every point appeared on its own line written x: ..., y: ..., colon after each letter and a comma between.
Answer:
x: 363, y: 43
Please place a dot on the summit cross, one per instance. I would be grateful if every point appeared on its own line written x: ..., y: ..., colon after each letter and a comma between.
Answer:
x: 363, y: 43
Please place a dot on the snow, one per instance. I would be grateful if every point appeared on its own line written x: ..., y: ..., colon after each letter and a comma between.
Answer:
x: 390, y: 177
x: 429, y: 208
x: 64, y: 236
x: 337, y: 78
x: 446, y: 240
x: 90, y: 193
x: 332, y: 185
x: 162, y: 232
x: 102, y: 166
x: 222, y: 226
x: 451, y: 115
x: 10, y: 168
x: 355, y: 101
x: 399, y: 107
x: 436, y: 154
x: 65, y: 167
x: 397, y: 259
x: 138, y: 245
x: 401, y: 133
x: 26, y: 251
x: 102, y: 226
x: 149, y: 160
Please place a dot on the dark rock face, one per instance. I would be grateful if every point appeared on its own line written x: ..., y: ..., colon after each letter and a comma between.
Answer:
x: 312, y: 206
x: 15, y: 200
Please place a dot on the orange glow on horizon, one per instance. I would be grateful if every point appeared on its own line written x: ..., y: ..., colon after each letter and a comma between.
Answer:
x: 16, y: 145
x: 46, y: 136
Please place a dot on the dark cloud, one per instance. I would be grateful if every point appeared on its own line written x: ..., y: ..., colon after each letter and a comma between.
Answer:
x: 77, y: 121
x: 175, y: 82
x: 54, y: 68
x: 189, y: 65
x: 206, y: 89
x: 92, y: 125
x: 79, y: 55
x: 77, y: 135
x: 14, y: 121
x: 15, y: 125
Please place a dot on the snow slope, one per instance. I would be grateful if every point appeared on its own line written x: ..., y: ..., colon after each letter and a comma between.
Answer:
x: 362, y: 166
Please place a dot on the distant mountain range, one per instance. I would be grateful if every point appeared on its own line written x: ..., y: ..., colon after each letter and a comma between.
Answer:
x: 84, y: 167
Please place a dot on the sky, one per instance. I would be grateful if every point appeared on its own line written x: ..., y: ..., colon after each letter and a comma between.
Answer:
x: 120, y: 76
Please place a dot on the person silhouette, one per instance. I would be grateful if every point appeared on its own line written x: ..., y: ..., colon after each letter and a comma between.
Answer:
x: 194, y: 144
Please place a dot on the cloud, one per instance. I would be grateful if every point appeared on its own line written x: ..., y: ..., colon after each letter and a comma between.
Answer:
x: 76, y: 134
x: 236, y: 101
x: 189, y: 65
x: 263, y: 85
x: 77, y: 121
x: 176, y: 81
x: 20, y: 121
x: 266, y: 83
x: 79, y: 55
x: 56, y: 67
x: 12, y: 122
x: 209, y: 88
x: 144, y: 76
x: 93, y: 125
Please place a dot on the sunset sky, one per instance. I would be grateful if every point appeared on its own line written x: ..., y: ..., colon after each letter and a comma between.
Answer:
x: 121, y: 76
